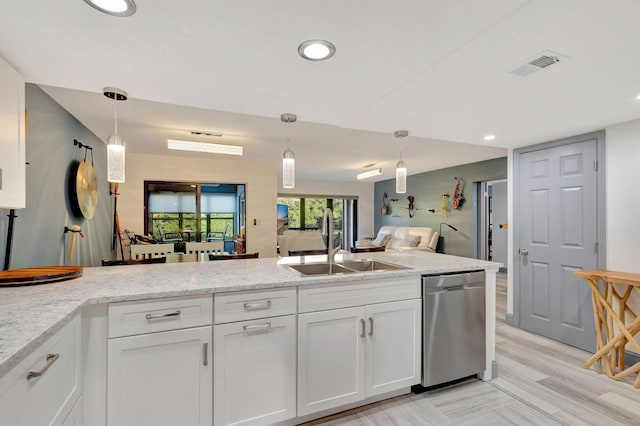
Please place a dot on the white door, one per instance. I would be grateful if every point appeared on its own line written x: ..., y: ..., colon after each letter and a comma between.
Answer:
x: 255, y: 371
x: 160, y: 379
x: 558, y: 234
x: 331, y: 359
x: 393, y: 346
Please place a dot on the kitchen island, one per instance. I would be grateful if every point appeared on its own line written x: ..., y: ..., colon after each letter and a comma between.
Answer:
x: 30, y: 315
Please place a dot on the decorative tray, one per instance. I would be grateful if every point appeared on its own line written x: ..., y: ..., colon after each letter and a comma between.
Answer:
x: 38, y: 275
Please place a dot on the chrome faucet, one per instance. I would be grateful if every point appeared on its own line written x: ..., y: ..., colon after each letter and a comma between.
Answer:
x: 331, y: 250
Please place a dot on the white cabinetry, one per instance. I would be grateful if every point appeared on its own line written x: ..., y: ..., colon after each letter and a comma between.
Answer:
x: 352, y: 353
x: 75, y: 416
x: 255, y: 357
x: 45, y: 387
x: 12, y: 138
x: 164, y: 375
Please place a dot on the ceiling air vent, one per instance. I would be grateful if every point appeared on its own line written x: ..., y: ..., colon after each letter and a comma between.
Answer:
x: 537, y: 63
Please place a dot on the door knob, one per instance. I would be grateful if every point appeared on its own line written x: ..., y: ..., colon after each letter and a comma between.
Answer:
x: 523, y: 252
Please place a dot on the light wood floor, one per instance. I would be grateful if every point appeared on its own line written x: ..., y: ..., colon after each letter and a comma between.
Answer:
x: 540, y: 382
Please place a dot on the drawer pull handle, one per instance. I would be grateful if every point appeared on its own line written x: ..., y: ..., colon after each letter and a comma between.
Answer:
x: 362, y: 323
x: 250, y: 328
x: 205, y: 353
x: 51, y: 358
x: 163, y: 316
x: 370, y: 326
x: 257, y: 306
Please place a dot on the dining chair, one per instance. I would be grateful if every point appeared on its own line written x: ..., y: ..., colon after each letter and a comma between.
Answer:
x: 164, y: 237
x: 218, y: 235
x: 142, y: 251
x: 233, y: 256
x: 182, y: 257
x: 134, y: 261
x: 206, y: 248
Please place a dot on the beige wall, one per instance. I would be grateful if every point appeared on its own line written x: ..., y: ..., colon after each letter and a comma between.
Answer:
x: 260, y: 180
x: 362, y: 190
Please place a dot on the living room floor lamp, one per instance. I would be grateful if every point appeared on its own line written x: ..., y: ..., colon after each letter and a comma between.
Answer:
x: 440, y: 246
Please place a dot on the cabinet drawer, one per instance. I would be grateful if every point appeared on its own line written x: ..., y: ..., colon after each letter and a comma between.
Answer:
x: 246, y: 305
x: 48, y: 396
x: 149, y: 316
x: 357, y: 293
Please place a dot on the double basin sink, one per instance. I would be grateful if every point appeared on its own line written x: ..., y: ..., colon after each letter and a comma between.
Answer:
x: 344, y: 267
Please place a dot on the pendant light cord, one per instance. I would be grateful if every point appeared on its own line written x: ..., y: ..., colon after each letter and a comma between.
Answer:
x: 115, y: 114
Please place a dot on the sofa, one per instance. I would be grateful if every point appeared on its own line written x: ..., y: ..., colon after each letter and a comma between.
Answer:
x: 403, y: 238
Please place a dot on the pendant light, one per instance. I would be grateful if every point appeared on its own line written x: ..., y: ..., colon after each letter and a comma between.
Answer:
x: 288, y: 158
x: 401, y: 167
x: 115, y: 142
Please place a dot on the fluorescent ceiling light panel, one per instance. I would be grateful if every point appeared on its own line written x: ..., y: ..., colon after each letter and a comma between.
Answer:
x: 212, y: 148
x: 370, y: 173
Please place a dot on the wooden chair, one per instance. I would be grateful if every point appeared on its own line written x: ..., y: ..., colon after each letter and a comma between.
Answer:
x: 181, y: 257
x: 366, y: 249
x: 307, y: 252
x: 145, y: 251
x: 134, y: 261
x: 233, y: 256
x: 206, y: 248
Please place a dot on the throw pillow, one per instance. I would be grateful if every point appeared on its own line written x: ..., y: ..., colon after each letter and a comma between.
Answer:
x: 413, y: 241
x: 381, y: 240
x: 410, y: 241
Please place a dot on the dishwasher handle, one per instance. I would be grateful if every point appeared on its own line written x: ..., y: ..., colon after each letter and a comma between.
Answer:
x: 454, y: 288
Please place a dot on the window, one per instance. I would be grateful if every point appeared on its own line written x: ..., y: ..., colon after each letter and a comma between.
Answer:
x: 196, y: 211
x: 306, y: 213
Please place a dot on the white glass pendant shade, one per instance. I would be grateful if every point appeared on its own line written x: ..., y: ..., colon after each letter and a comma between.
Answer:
x: 114, y: 7
x: 288, y: 169
x: 401, y: 177
x: 115, y: 159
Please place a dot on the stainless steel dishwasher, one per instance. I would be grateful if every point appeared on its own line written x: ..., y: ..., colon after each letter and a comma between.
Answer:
x: 453, y: 314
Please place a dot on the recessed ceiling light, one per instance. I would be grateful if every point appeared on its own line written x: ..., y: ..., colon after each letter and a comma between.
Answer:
x: 114, y: 7
x: 316, y: 50
x: 369, y: 173
x: 638, y: 97
x: 489, y: 137
x: 213, y: 148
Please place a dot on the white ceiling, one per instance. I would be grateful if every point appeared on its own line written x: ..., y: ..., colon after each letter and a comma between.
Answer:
x: 436, y: 68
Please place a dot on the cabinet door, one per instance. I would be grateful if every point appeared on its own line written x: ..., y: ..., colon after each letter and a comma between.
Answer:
x: 255, y: 371
x: 331, y: 357
x: 12, y: 137
x: 160, y: 379
x: 75, y: 416
x: 393, y: 346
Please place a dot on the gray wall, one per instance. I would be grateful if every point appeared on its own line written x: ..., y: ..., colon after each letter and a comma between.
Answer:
x: 38, y: 238
x: 427, y: 188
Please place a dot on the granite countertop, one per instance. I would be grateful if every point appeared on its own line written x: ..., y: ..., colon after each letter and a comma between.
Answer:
x: 30, y: 314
